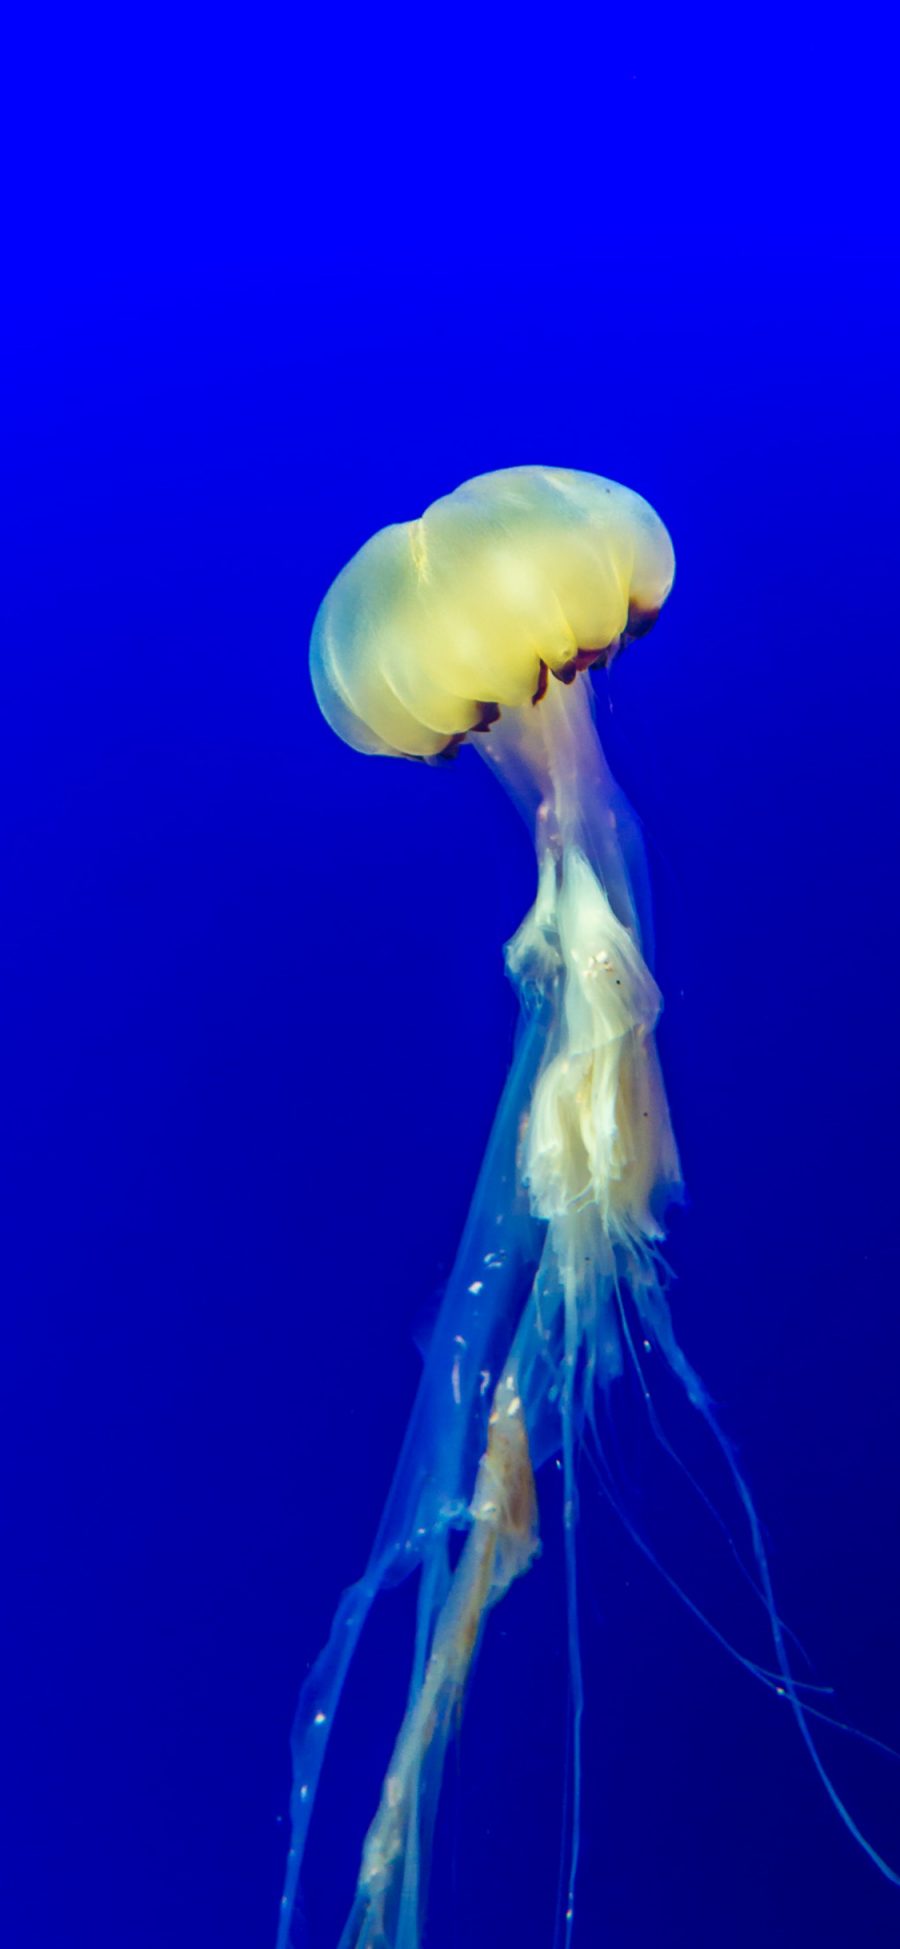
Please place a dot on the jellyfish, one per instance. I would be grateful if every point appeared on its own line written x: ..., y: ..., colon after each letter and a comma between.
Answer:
x: 480, y: 621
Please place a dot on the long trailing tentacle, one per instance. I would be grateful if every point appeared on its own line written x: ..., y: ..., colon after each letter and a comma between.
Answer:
x: 772, y: 1680
x: 697, y: 1487
x: 570, y: 1516
x: 654, y: 1311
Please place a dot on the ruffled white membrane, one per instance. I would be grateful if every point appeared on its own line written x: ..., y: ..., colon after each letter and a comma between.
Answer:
x: 435, y: 628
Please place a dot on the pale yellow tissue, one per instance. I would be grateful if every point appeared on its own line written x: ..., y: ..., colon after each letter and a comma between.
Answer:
x: 436, y: 618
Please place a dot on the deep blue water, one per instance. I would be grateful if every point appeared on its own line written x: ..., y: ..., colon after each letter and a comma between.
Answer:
x: 273, y: 289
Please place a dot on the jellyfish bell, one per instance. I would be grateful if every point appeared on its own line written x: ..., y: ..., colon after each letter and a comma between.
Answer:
x: 438, y: 626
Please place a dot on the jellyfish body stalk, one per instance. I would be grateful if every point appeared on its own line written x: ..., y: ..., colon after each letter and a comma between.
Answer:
x: 509, y: 590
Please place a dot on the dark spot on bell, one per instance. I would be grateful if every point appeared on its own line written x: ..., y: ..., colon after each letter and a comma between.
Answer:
x: 448, y: 751
x: 639, y: 621
x: 586, y: 660
x: 543, y: 676
x: 489, y: 714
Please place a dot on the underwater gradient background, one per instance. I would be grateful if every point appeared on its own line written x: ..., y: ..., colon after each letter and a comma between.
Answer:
x: 273, y: 286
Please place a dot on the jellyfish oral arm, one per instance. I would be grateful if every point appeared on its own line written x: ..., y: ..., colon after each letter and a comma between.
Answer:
x: 499, y: 1547
x: 599, y: 1139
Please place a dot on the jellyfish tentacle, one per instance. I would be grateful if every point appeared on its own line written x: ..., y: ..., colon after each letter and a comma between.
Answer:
x: 696, y: 1487
x: 772, y: 1680
x: 576, y: 1678
x: 654, y: 1311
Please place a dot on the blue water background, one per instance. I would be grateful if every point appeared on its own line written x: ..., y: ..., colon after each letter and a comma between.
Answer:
x: 274, y: 287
